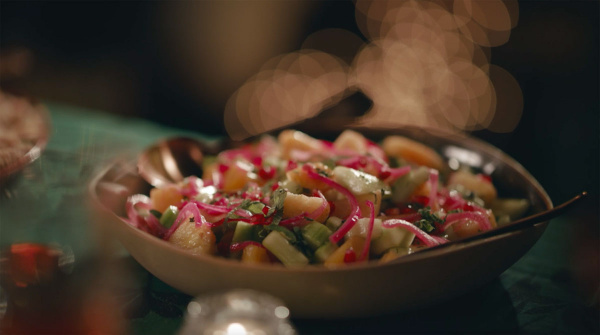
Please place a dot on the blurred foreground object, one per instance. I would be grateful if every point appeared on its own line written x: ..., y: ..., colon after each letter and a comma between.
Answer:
x: 33, y: 280
x: 46, y: 296
x: 239, y: 312
x: 24, y: 131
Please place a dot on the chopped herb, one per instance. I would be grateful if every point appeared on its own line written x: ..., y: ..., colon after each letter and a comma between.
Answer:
x: 330, y: 163
x: 300, y: 243
x: 276, y: 209
x: 428, y: 215
x: 425, y: 226
x: 428, y: 221
x: 277, y: 216
x: 232, y: 215
x: 255, y: 207
x: 262, y: 232
x: 277, y: 200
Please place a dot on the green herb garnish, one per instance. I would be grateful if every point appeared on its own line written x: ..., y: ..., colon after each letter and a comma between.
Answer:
x: 255, y: 207
x: 276, y: 209
x: 428, y: 221
x: 231, y: 215
x: 301, y: 243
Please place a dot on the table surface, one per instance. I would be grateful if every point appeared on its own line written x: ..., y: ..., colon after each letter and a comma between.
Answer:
x: 47, y: 203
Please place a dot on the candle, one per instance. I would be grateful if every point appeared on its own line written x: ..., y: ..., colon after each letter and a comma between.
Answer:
x: 239, y: 312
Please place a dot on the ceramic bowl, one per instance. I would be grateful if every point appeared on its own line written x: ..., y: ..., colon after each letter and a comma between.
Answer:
x: 359, y: 290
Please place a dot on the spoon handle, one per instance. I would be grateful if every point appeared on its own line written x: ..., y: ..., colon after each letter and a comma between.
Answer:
x: 517, y: 224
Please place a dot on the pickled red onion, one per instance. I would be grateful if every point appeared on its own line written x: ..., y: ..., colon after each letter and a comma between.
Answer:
x: 354, y: 212
x: 189, y: 210
x: 365, y: 252
x: 396, y: 173
x: 480, y: 218
x: 421, y: 235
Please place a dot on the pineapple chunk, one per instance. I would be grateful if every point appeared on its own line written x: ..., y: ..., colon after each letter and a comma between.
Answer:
x: 351, y: 140
x: 255, y: 254
x: 412, y: 151
x: 237, y: 176
x: 477, y: 184
x: 336, y: 259
x: 423, y: 190
x: 300, y: 177
x: 162, y: 198
x: 297, y: 140
x: 296, y: 204
x: 342, y: 206
x: 467, y: 228
x: 196, y: 239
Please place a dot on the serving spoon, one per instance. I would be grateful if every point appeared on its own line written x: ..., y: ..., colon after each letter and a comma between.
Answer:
x: 171, y: 160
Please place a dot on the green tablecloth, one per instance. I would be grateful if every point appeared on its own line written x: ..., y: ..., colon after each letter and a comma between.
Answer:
x: 47, y: 204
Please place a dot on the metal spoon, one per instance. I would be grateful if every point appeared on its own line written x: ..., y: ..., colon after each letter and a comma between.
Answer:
x: 171, y: 160
x: 514, y: 225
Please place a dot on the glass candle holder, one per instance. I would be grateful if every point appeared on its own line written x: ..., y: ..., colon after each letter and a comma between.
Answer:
x: 238, y: 312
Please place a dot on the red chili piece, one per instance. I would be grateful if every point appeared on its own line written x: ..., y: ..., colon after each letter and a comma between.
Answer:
x: 291, y: 165
x: 350, y: 256
x: 257, y: 160
x: 266, y: 172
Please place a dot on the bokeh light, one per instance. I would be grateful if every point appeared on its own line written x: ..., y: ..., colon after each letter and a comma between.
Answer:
x: 424, y: 63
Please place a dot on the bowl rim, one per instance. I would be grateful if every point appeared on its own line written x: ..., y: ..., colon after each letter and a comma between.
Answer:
x: 235, y: 264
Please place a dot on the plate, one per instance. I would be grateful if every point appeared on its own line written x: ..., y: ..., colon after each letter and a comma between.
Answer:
x: 24, y: 133
x: 360, y: 290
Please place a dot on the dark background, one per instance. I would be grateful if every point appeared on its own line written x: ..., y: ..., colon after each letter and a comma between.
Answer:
x: 112, y: 56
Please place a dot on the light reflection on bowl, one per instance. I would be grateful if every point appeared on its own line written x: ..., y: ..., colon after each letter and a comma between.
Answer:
x: 358, y: 290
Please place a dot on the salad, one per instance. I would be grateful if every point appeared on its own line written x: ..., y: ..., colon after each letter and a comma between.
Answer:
x: 297, y: 200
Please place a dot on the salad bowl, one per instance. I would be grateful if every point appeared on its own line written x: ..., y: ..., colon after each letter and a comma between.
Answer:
x: 364, y: 289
